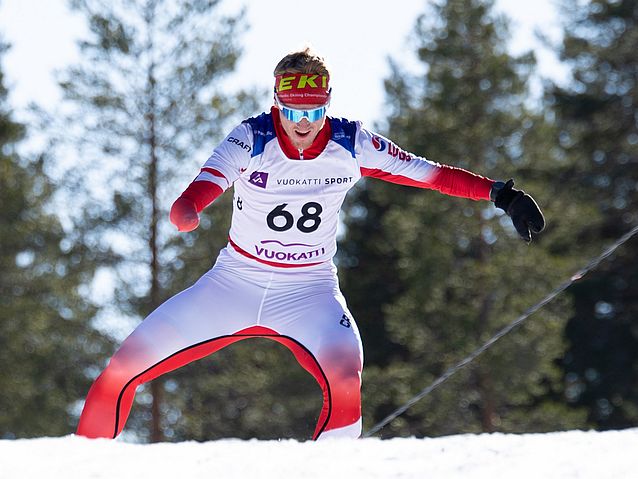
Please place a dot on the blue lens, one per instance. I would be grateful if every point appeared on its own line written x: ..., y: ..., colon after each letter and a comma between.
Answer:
x: 297, y: 115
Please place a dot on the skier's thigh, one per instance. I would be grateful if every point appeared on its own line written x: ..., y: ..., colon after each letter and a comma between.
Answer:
x: 216, y: 305
x: 321, y: 322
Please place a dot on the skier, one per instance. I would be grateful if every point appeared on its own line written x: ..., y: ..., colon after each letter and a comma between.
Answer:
x: 291, y: 168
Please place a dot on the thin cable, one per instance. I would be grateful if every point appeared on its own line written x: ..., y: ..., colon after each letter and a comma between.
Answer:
x: 507, y: 329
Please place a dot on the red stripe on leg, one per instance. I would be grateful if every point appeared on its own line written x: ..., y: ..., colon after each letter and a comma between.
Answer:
x: 95, y: 422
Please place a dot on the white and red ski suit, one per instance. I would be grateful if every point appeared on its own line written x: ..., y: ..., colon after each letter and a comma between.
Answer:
x: 276, y: 277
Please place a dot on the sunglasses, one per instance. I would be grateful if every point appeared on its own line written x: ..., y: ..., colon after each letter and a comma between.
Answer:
x: 296, y: 116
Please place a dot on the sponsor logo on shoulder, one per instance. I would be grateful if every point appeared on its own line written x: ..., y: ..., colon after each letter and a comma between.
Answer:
x: 396, y: 152
x: 238, y: 142
x: 393, y: 150
x: 258, y: 178
x: 265, y: 133
x: 378, y: 143
x: 338, y: 135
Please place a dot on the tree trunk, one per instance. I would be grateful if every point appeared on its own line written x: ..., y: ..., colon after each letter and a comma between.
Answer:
x: 157, y: 434
x: 156, y: 386
x: 484, y: 382
x: 487, y: 410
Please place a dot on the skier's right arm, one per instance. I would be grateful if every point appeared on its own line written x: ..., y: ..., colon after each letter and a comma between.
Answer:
x: 220, y: 171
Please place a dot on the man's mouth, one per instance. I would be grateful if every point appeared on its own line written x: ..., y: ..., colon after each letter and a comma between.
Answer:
x: 302, y: 134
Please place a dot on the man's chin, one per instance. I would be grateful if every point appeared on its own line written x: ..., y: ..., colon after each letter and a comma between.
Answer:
x: 302, y: 142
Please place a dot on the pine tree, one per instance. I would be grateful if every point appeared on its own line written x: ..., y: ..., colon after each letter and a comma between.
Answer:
x: 457, y: 272
x: 596, y: 114
x: 48, y: 346
x: 143, y: 110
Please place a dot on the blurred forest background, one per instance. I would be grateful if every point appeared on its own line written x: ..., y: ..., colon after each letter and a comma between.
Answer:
x: 428, y: 278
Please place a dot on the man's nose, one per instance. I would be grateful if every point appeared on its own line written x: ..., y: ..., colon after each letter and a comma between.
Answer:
x: 304, y: 122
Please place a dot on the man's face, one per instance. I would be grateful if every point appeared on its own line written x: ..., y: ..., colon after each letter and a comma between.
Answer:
x: 303, y: 133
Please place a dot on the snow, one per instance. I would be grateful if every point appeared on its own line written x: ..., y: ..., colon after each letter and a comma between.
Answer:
x: 564, y: 455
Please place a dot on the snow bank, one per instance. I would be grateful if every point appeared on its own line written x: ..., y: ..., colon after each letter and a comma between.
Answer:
x: 574, y: 454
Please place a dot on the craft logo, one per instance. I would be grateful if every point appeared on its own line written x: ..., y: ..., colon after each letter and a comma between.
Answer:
x: 238, y: 142
x: 378, y: 143
x: 258, y: 178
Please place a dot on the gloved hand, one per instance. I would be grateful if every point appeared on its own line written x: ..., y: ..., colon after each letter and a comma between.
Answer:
x: 184, y: 214
x: 521, y: 207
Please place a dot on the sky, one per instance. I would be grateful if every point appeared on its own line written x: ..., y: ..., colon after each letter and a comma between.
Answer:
x: 355, y: 36
x: 561, y: 455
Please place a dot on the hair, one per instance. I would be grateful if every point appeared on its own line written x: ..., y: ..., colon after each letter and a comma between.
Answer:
x: 303, y: 61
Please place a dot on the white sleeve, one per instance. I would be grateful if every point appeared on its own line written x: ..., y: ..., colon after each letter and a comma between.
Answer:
x: 380, y: 157
x: 230, y: 158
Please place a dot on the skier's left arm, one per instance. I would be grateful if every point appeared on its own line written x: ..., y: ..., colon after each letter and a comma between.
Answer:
x: 380, y: 158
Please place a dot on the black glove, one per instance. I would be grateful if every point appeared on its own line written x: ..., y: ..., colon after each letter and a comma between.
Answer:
x: 521, y: 207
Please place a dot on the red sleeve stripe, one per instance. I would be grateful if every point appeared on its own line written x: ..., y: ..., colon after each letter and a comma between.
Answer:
x: 389, y: 177
x: 209, y: 177
x: 448, y: 180
x: 202, y: 193
x: 214, y: 172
